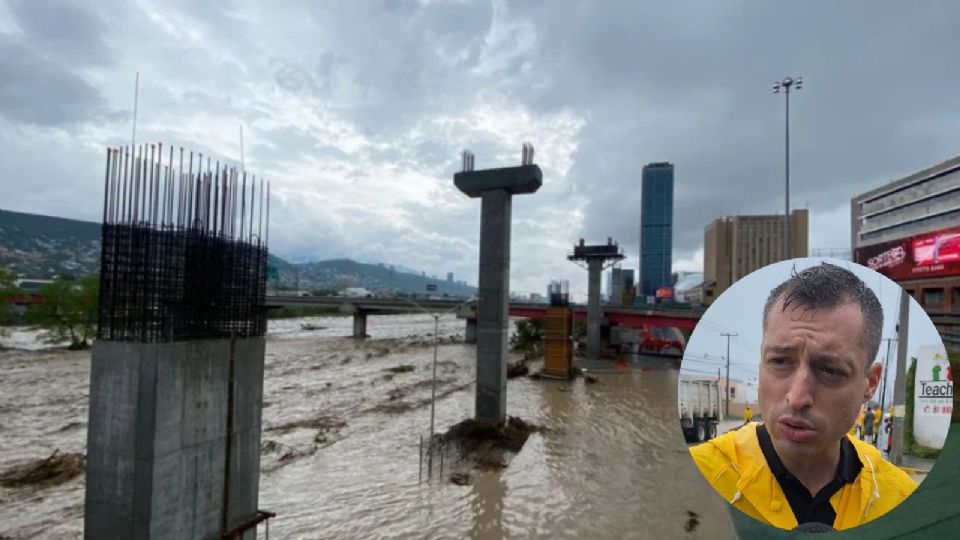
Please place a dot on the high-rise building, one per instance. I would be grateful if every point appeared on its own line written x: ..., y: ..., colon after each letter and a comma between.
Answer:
x: 449, y: 277
x: 734, y: 246
x: 656, y: 227
x: 907, y: 230
x: 620, y: 281
x: 616, y: 285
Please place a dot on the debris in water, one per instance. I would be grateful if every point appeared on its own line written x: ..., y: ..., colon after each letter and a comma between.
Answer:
x: 345, y: 361
x: 517, y: 369
x: 319, y: 422
x: 590, y: 379
x: 289, y: 454
x: 402, y: 368
x: 396, y: 406
x: 54, y: 470
x: 311, y: 327
x: 477, y: 437
x: 71, y: 425
x: 692, y: 521
x: 461, y: 478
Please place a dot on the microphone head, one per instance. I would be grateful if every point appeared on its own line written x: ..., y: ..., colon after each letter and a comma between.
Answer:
x: 814, y: 527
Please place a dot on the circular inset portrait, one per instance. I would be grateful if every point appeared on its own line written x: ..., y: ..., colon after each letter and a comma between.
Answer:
x: 815, y: 394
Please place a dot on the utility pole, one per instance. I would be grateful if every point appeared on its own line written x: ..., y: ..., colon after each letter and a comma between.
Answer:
x: 899, y: 386
x: 883, y: 389
x: 726, y: 398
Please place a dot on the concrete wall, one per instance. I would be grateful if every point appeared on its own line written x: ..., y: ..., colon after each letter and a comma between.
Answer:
x: 158, y: 438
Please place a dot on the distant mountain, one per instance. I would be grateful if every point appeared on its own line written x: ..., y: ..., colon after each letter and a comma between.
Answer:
x: 337, y: 273
x: 44, y: 247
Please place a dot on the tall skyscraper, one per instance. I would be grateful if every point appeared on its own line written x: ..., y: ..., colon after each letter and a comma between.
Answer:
x: 656, y: 227
x: 620, y: 281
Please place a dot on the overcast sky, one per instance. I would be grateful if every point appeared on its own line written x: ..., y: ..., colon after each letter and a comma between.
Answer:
x: 739, y: 310
x: 356, y: 111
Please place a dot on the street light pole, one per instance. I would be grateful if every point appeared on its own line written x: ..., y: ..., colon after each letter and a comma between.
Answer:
x: 785, y: 85
x: 433, y: 386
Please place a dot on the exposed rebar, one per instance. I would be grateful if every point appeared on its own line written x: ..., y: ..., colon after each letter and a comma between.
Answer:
x: 172, y: 266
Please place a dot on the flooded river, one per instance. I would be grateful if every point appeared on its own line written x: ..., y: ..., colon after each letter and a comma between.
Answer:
x: 342, y: 424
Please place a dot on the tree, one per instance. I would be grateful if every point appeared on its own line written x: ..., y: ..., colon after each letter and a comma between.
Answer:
x: 7, y: 290
x: 528, y: 336
x: 68, y: 311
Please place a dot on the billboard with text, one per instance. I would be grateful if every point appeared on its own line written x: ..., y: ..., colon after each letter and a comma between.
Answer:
x: 933, y: 254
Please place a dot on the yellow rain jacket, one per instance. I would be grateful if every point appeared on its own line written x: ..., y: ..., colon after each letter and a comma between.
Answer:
x: 734, y: 465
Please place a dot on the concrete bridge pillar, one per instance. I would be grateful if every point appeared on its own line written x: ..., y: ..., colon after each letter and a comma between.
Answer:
x: 495, y: 188
x: 470, y: 335
x: 360, y: 325
x: 174, y: 446
x: 176, y: 376
x: 594, y: 314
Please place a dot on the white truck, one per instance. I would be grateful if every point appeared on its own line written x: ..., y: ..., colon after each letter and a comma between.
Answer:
x: 699, y: 405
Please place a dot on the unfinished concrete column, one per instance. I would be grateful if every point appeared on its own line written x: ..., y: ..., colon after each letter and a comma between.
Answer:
x: 595, y: 258
x: 495, y: 187
x: 360, y: 324
x: 470, y: 334
x: 494, y: 289
x: 176, y: 382
x: 594, y: 314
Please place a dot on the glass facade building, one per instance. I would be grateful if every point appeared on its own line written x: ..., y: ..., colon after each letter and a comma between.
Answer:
x: 656, y: 227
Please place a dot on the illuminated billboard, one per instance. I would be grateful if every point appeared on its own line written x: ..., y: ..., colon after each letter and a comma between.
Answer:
x: 927, y: 255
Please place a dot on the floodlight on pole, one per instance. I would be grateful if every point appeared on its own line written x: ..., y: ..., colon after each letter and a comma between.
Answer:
x: 785, y: 85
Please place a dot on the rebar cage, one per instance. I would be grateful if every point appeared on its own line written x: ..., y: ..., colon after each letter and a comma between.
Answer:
x: 183, y: 253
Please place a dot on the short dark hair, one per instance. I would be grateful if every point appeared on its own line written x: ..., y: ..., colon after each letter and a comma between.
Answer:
x: 828, y: 286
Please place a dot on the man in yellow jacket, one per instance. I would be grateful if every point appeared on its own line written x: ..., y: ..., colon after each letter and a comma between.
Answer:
x: 821, y: 330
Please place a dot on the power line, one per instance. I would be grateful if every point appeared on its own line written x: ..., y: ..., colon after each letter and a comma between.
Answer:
x: 719, y: 358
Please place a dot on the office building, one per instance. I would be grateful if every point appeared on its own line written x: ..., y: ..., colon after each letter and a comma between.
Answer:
x: 656, y: 227
x: 909, y: 230
x: 734, y: 246
x: 621, y: 282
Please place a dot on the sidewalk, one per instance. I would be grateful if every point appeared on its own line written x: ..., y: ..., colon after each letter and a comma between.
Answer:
x: 916, y: 467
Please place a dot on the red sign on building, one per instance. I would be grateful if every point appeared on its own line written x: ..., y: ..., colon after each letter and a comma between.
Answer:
x: 928, y: 255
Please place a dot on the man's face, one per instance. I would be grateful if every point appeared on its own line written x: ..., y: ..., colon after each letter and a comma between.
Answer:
x: 813, y: 378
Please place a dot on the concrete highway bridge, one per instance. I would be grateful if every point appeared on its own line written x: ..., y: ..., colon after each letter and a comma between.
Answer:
x: 637, y: 317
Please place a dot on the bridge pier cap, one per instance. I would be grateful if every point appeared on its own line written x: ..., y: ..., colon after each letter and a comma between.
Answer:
x: 514, y: 180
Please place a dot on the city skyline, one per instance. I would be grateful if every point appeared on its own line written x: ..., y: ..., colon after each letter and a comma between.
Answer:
x: 356, y: 113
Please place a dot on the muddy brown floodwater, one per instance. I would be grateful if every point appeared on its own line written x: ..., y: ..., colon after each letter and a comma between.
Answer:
x: 342, y: 424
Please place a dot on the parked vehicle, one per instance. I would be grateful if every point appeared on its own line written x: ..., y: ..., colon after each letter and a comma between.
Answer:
x: 699, y: 407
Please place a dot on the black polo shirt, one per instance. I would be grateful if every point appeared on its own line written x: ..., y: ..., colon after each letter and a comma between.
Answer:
x: 805, y: 507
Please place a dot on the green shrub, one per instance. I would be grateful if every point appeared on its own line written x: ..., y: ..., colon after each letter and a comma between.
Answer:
x: 68, y: 311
